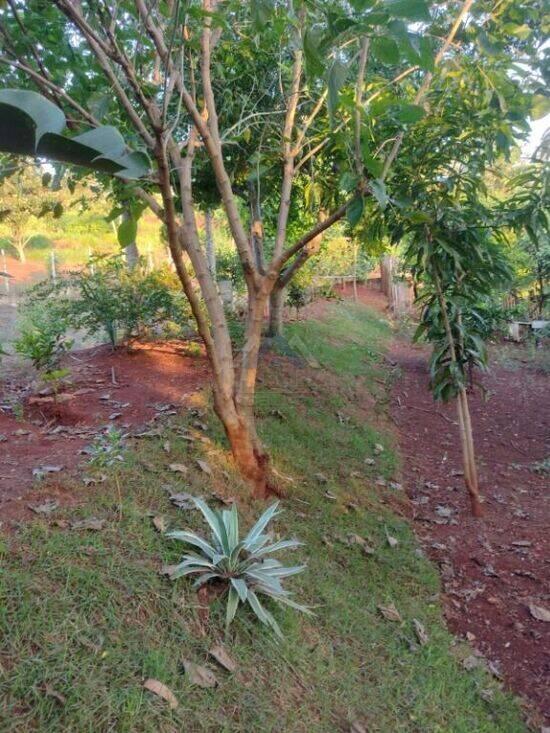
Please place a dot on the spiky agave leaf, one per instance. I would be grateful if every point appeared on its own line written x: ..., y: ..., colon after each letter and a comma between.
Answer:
x: 244, y: 564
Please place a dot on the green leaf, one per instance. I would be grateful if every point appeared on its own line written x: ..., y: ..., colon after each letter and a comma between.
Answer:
x: 261, y: 13
x: 519, y: 31
x: 540, y: 106
x: 385, y: 50
x: 409, y: 113
x: 232, y: 604
x: 410, y: 9
x: 33, y: 115
x: 354, y: 210
x: 314, y: 61
x: 378, y: 189
x: 127, y: 232
x: 336, y: 78
x: 32, y: 125
x: 348, y: 181
x: 375, y: 166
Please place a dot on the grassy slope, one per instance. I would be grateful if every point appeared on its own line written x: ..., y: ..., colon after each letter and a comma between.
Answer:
x: 87, y: 616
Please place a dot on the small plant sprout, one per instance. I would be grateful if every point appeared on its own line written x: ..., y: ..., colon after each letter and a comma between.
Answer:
x: 245, y: 566
x: 107, y: 449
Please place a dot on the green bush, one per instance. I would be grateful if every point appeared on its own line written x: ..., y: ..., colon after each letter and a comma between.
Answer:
x: 108, y: 297
x: 43, y: 338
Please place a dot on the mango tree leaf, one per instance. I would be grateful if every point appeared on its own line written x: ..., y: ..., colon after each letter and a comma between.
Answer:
x: 540, y: 106
x: 410, y: 113
x: 32, y: 125
x: 336, y: 78
x: 385, y: 50
x: 312, y: 53
x: 354, y: 210
x: 126, y: 232
x: 410, y: 9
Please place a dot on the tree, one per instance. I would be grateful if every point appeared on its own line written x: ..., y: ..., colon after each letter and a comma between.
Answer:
x: 457, y: 263
x: 257, y: 94
x: 525, y: 211
x: 23, y: 202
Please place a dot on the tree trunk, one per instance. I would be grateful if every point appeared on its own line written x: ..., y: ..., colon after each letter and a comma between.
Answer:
x: 209, y: 242
x: 468, y: 453
x: 131, y: 252
x: 237, y: 414
x: 276, y: 308
x: 20, y: 247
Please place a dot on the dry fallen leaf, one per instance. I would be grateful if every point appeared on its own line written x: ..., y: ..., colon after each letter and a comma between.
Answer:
x: 166, y: 446
x: 49, y: 506
x: 159, y: 523
x: 204, y: 467
x: 390, y: 613
x: 49, y: 691
x: 183, y: 500
x: 472, y: 662
x: 201, y: 676
x: 159, y: 689
x: 219, y: 653
x: 538, y: 612
x: 92, y: 524
x: 357, y: 727
x: 178, y: 468
x: 420, y: 632
x: 392, y: 541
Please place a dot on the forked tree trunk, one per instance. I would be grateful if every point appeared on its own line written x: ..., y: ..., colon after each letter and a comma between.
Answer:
x: 237, y: 413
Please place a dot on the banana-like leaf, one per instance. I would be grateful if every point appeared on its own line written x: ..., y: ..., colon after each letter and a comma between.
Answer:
x: 32, y: 125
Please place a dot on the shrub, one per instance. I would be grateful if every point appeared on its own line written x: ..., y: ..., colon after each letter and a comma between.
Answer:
x: 43, y: 337
x: 107, y: 449
x: 126, y: 303
x: 243, y: 566
x: 296, y: 295
x: 108, y: 297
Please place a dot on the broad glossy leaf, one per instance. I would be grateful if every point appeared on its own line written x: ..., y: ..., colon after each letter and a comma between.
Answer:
x: 385, y: 50
x: 410, y: 113
x: 409, y: 9
x: 336, y: 78
x: 354, y: 210
x: 32, y: 125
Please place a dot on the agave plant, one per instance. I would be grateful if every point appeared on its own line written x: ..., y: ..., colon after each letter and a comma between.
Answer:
x: 244, y: 565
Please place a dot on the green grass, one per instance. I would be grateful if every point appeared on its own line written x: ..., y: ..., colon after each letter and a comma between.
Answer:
x: 86, y: 615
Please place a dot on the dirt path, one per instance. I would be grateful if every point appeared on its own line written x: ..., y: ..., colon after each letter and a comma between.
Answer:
x: 496, y: 572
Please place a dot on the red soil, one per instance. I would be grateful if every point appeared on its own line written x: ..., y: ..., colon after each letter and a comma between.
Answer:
x: 54, y: 432
x: 493, y: 569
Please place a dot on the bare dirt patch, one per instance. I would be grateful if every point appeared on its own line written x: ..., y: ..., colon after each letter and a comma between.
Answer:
x: 496, y: 570
x: 124, y: 389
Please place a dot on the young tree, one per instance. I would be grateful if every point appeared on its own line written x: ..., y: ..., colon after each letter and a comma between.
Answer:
x: 23, y: 203
x: 255, y: 93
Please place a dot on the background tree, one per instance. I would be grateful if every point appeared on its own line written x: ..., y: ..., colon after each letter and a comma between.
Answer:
x: 23, y: 203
